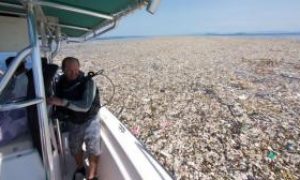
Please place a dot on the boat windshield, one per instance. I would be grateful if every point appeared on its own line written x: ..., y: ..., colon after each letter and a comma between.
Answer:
x: 16, y: 89
x: 14, y: 121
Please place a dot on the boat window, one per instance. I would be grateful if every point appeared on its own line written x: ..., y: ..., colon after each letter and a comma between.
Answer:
x: 13, y: 123
x: 16, y: 89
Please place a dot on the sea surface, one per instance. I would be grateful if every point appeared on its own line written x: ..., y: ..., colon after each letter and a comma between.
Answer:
x: 288, y: 36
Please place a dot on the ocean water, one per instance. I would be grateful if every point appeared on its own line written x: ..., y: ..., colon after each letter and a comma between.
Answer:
x: 261, y: 36
x: 291, y: 36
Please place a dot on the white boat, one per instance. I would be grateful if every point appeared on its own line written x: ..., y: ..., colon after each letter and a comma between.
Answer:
x: 31, y: 29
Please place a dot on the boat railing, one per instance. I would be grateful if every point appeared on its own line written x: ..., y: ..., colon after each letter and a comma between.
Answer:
x: 21, y: 104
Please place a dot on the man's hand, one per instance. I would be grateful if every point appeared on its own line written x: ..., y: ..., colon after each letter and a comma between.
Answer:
x: 1, y: 73
x: 55, y: 101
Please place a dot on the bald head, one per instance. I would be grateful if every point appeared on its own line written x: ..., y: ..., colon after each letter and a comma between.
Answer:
x: 70, y: 67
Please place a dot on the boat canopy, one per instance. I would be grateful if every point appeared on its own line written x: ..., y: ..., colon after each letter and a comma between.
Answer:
x: 81, y: 19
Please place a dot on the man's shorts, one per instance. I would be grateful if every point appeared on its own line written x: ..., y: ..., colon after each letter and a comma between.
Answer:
x: 88, y: 133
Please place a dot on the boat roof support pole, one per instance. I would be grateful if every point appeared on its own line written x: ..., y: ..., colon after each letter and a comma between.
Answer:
x: 98, y: 32
x: 71, y: 27
x: 73, y: 9
x: 12, y: 68
x: 93, y: 33
x: 16, y: 6
x: 40, y: 93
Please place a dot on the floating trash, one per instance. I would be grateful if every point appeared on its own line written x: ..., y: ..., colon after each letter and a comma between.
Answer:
x: 219, y: 108
x: 272, y: 155
x: 289, y: 146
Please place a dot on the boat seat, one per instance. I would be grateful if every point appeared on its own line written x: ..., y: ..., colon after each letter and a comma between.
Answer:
x: 17, y: 145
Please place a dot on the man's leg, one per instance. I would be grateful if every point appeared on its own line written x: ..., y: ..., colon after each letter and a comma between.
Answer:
x: 79, y: 159
x: 76, y: 137
x: 92, y: 141
x: 93, y: 161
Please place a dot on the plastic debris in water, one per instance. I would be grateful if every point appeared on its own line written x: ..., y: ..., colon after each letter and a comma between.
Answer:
x: 287, y: 175
x: 205, y: 115
x: 289, y: 146
x: 136, y: 130
x: 272, y: 155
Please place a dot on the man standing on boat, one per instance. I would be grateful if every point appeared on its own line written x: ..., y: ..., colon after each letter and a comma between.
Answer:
x: 77, y: 99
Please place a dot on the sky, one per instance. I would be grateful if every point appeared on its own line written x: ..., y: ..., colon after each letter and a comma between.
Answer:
x: 180, y: 17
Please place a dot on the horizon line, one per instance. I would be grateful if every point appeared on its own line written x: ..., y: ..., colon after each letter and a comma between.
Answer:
x: 258, y: 33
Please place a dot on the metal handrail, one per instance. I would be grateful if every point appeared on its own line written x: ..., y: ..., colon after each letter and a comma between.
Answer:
x: 21, y: 104
x: 60, y: 145
x: 12, y: 68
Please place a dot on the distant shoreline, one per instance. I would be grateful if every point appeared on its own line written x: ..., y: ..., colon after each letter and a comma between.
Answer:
x: 294, y: 35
